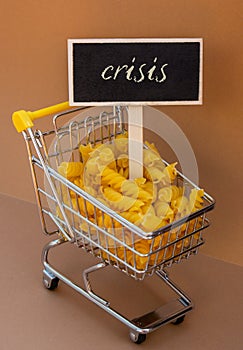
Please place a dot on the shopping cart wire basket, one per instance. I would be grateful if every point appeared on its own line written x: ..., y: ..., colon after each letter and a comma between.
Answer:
x: 58, y: 198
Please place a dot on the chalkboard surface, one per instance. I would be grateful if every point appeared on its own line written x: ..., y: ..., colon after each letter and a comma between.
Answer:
x: 135, y: 71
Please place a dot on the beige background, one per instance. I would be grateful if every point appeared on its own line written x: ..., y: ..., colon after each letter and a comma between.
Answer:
x: 33, y: 74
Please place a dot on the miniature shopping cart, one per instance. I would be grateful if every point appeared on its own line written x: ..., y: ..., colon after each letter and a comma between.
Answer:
x: 47, y: 150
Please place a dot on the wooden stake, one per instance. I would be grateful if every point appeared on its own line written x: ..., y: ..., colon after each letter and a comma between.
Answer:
x: 135, y: 141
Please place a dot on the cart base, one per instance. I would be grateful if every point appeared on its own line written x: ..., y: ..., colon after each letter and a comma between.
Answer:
x: 172, y: 312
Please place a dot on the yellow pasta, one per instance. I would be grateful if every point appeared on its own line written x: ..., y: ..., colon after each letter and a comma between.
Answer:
x: 141, y: 262
x: 85, y: 207
x: 85, y: 151
x: 124, y: 172
x: 163, y: 210
x: 180, y: 205
x: 150, y: 187
x: 110, y: 177
x: 129, y: 188
x: 161, y: 255
x: 123, y: 205
x: 105, y: 221
x: 121, y: 145
x: 165, y: 194
x: 176, y: 192
x: 92, y: 166
x: 106, y: 155
x: 145, y: 195
x: 112, y: 195
x: 169, y: 173
x: 116, y: 200
x: 122, y: 161
x: 169, y: 193
x: 150, y: 157
x: 150, y: 202
x: 91, y: 190
x: 70, y: 169
x: 154, y: 174
x: 152, y: 147
x: 78, y: 181
x: 150, y: 221
x: 196, y: 199
x: 132, y: 216
x: 137, y: 206
x: 69, y: 202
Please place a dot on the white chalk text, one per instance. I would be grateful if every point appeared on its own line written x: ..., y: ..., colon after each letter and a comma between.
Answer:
x: 136, y: 73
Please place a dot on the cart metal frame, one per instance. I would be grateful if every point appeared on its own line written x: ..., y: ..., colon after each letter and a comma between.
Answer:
x: 67, y: 227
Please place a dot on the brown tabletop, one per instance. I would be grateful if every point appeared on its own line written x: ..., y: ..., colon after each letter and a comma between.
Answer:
x: 34, y: 318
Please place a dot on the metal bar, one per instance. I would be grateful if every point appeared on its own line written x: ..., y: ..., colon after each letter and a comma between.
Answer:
x: 144, y: 324
x: 163, y: 315
x: 45, y: 168
x: 35, y: 182
x: 164, y: 276
x: 82, y: 291
x: 87, y: 283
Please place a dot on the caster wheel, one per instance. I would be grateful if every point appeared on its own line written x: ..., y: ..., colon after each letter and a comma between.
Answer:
x: 50, y: 281
x: 53, y: 284
x: 137, y: 338
x: 179, y: 320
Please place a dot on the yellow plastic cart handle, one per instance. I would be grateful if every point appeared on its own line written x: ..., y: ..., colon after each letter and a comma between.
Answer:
x: 23, y: 120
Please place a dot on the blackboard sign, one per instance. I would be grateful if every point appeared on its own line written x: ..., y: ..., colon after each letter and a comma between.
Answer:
x: 135, y: 71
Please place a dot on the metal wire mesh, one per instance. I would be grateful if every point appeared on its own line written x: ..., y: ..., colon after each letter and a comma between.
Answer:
x: 97, y: 228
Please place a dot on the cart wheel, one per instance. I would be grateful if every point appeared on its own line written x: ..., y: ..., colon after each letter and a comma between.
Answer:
x: 52, y: 285
x: 137, y: 338
x: 49, y: 281
x: 179, y: 320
